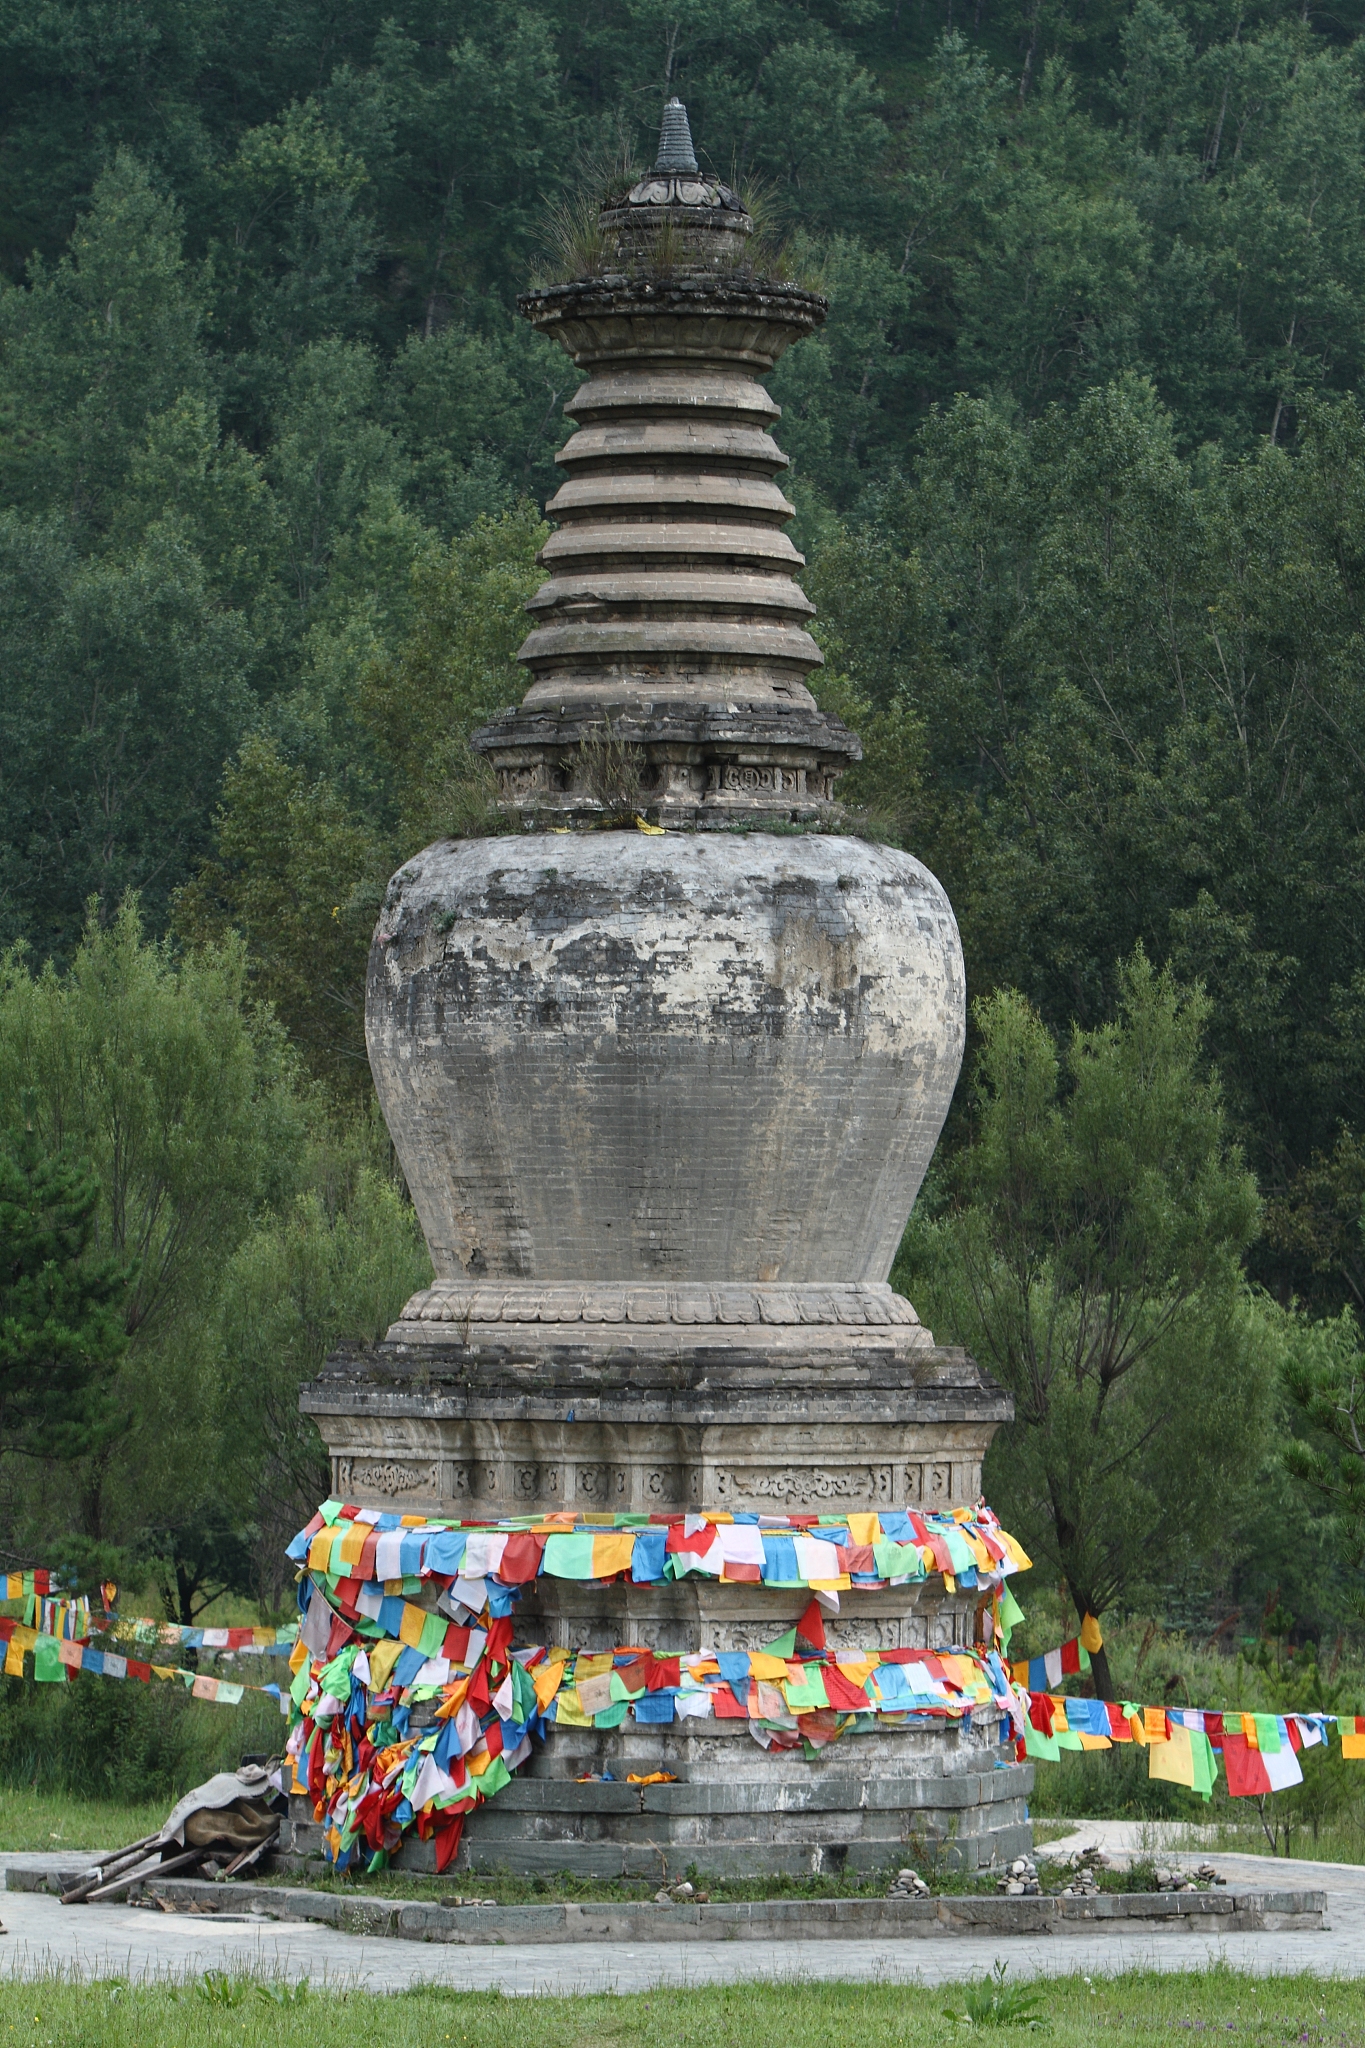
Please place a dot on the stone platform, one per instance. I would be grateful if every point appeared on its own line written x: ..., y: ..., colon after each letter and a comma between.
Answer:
x: 868, y: 1802
x: 1299, y: 1910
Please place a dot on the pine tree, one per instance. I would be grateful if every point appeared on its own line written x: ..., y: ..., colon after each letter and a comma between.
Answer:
x: 62, y: 1332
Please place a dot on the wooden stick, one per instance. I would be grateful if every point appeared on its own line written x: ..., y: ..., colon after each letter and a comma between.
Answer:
x: 107, y: 1891
x: 249, y: 1856
x: 99, y: 1872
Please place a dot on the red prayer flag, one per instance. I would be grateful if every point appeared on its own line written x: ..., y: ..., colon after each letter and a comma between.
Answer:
x: 811, y: 1626
x: 1245, y: 1766
x: 448, y: 1841
x: 841, y: 1692
x: 1071, y: 1657
x: 338, y: 1636
x: 521, y: 1558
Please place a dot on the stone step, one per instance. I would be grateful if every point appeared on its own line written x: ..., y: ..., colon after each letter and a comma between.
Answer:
x: 1223, y: 1912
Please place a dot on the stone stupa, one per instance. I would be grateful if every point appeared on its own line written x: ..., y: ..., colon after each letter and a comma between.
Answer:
x: 664, y: 1101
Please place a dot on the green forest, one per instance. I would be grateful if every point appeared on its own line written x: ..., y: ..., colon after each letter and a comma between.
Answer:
x: 1079, y: 468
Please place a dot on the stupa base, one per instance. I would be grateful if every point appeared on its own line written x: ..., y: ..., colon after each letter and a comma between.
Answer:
x: 940, y: 1796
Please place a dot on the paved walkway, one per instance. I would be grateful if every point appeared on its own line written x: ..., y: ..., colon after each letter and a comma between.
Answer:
x: 127, y: 1941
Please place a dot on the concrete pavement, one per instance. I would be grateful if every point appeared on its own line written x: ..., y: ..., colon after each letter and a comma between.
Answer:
x: 132, y: 1942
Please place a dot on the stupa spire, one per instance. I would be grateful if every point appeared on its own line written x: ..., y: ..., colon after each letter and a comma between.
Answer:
x: 676, y: 153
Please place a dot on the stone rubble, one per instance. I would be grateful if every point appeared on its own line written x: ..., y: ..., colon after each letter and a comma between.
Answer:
x: 1020, y: 1880
x: 1086, y: 1864
x: 908, y: 1884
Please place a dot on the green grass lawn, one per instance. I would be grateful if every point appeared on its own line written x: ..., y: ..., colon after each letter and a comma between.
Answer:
x: 59, y: 1821
x: 1075, y: 2011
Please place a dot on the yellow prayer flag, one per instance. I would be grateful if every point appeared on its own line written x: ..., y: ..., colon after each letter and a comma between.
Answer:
x: 1096, y: 1742
x: 319, y: 1550
x: 411, y: 1626
x: 348, y: 1551
x: 298, y: 1655
x: 547, y: 1679
x: 1091, y: 1639
x: 1173, y: 1759
x: 568, y: 1711
x: 1137, y: 1726
x: 1154, y: 1720
x: 612, y: 1554
x: 865, y: 1528
x: 383, y: 1656
x: 762, y: 1665
x: 1353, y: 1746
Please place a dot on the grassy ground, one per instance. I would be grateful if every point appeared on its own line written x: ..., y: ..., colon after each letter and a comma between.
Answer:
x: 1075, y: 2011
x: 59, y: 1821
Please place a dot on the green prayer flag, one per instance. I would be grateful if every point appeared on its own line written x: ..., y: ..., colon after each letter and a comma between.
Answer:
x: 809, y: 1696
x: 569, y: 1557
x: 48, y: 1667
x: 523, y: 1692
x: 1039, y: 1745
x: 1011, y: 1614
x: 785, y: 1646
x: 433, y: 1635
x: 1267, y: 1734
x: 494, y: 1778
x: 1205, y: 1763
x: 897, y: 1560
x: 612, y: 1716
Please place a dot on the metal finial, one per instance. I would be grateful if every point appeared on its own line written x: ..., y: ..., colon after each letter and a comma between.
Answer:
x: 675, y: 140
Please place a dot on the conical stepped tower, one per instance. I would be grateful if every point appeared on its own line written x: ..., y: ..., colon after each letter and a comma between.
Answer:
x: 664, y: 1102
x: 672, y: 625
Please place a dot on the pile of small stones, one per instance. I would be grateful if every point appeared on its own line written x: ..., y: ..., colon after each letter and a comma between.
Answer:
x: 1020, y: 1880
x: 908, y: 1885
x: 1188, y: 1881
x: 681, y: 1895
x: 1086, y: 1864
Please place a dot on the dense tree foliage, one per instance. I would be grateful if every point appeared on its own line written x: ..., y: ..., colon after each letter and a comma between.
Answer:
x: 1079, y: 463
x: 1093, y: 1257
x: 62, y: 1336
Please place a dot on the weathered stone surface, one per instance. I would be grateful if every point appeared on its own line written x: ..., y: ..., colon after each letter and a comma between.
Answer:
x: 626, y: 1058
x: 867, y: 1802
x: 664, y: 1103
x: 757, y: 1920
x: 666, y: 600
